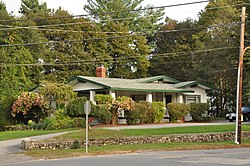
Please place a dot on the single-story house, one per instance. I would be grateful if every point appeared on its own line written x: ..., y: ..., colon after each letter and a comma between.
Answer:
x: 158, y: 88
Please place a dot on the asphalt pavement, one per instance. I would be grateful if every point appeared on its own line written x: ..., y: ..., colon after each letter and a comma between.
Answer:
x: 219, y: 157
x: 10, y: 150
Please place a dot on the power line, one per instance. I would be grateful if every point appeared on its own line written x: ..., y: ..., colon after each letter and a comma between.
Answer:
x: 70, y: 63
x: 103, y: 38
x: 65, y: 41
x: 73, y: 31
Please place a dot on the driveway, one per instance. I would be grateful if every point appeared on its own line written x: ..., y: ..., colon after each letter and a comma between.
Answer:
x: 167, y: 125
x: 9, y: 150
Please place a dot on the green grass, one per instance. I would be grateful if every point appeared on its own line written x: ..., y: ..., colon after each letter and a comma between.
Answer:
x: 121, y: 149
x: 8, y: 135
x: 101, y: 133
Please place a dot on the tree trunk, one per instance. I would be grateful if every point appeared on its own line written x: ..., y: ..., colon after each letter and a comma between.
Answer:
x: 114, y: 120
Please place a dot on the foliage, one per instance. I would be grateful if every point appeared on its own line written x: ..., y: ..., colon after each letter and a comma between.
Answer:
x: 59, y: 121
x: 167, y: 43
x: 103, y: 99
x: 31, y: 106
x: 198, y: 111
x: 5, y: 112
x: 58, y: 92
x: 102, y: 113
x: 75, y: 108
x: 121, y: 103
x: 145, y: 112
x: 79, y: 122
x: 177, y: 111
x: 138, y: 115
x: 158, y: 109
x: 128, y: 55
x: 76, y: 145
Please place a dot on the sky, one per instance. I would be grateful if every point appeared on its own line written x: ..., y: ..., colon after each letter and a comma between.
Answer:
x: 75, y: 7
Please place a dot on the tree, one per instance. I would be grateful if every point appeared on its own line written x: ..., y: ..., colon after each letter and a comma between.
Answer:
x: 174, y: 45
x: 122, y: 20
x: 121, y: 103
x: 14, y: 77
x: 221, y: 69
x: 58, y: 92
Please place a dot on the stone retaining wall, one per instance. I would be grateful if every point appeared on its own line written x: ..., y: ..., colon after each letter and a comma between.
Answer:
x: 180, y: 138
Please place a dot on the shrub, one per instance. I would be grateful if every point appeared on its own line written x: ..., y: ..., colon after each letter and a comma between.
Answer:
x: 124, y: 103
x: 103, y: 99
x: 79, y: 122
x: 102, y: 113
x: 198, y: 111
x: 59, y: 121
x: 40, y: 126
x: 177, y: 111
x: 158, y: 111
x: 75, y: 108
x: 6, y: 118
x: 30, y: 106
x: 75, y: 145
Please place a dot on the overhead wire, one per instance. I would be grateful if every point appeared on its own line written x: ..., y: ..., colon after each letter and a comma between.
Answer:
x: 68, y: 63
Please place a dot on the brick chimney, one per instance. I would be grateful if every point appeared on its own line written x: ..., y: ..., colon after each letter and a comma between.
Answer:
x: 101, y: 72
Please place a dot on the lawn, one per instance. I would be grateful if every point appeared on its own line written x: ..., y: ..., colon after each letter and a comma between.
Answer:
x: 8, y: 135
x: 101, y: 133
x: 121, y: 149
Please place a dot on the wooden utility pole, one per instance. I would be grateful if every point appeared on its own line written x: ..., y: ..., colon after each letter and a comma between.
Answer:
x: 240, y: 78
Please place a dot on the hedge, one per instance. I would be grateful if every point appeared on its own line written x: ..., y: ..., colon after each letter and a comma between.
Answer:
x: 198, y: 111
x: 177, y: 111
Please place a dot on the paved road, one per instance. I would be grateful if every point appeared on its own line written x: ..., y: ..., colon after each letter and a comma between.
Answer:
x: 9, y: 149
x: 222, y: 157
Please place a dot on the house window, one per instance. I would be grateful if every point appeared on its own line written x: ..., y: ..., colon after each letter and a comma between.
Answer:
x: 138, y: 98
x: 192, y: 99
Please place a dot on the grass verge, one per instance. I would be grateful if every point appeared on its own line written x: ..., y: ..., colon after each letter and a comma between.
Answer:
x: 123, y: 149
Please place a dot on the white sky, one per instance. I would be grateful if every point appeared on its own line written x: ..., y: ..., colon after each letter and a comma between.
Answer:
x: 76, y: 7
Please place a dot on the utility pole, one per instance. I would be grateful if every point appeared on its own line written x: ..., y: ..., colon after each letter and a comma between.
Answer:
x: 240, y: 78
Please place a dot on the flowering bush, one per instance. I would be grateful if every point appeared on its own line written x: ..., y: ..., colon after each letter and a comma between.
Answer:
x: 32, y: 103
x: 121, y: 103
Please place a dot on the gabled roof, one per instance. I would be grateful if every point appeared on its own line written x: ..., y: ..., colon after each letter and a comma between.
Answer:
x: 158, y: 78
x: 192, y: 83
x: 132, y: 84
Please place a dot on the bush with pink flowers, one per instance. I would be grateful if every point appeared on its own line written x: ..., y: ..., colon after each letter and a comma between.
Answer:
x: 30, y: 106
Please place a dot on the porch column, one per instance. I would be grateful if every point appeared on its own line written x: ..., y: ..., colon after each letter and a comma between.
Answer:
x: 164, y: 99
x: 149, y: 97
x: 180, y: 98
x: 112, y: 93
x: 92, y: 96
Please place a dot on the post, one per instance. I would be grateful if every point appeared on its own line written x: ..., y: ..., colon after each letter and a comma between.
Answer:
x: 87, y: 109
x: 87, y: 131
x: 239, y: 79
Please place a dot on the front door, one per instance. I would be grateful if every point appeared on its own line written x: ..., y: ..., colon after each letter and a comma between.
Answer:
x: 168, y: 99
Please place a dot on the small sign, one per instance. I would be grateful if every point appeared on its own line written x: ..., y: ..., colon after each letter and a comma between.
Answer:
x: 87, y: 107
